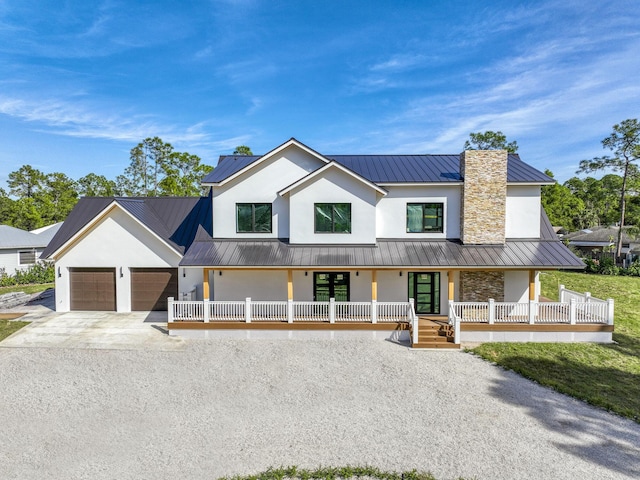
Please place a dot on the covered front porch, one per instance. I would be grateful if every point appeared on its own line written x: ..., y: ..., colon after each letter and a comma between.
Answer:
x: 422, y: 307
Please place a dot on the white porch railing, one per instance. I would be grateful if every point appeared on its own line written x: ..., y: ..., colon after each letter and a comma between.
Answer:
x: 573, y: 308
x: 289, y: 311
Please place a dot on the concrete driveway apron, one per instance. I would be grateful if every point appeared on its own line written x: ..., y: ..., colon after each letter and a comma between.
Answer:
x: 95, y: 330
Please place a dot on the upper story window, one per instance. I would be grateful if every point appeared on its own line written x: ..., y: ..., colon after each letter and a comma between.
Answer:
x: 332, y: 217
x: 425, y: 217
x: 27, y: 257
x: 253, y: 217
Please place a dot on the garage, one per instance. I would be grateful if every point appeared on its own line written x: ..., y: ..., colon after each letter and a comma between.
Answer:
x: 150, y: 288
x: 93, y: 289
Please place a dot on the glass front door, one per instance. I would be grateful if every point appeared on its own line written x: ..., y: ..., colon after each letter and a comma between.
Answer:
x: 424, y: 288
x: 331, y: 285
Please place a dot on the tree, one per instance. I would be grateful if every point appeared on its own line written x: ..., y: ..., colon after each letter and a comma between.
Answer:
x: 562, y: 207
x: 242, y: 150
x: 6, y: 208
x: 142, y: 176
x: 490, y: 140
x: 26, y: 214
x: 183, y: 173
x: 93, y: 185
x: 58, y: 198
x: 25, y: 182
x: 624, y: 142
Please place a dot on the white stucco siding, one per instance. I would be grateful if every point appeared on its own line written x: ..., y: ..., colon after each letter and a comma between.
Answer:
x: 117, y: 241
x: 333, y: 186
x: 261, y: 185
x: 392, y: 210
x: 516, y: 286
x: 523, y: 211
x: 257, y: 285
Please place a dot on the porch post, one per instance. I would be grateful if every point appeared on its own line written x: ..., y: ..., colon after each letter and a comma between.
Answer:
x: 532, y: 285
x: 492, y: 311
x: 374, y: 285
x: 170, y: 309
x: 332, y: 310
x: 572, y: 311
x: 451, y: 285
x: 247, y: 310
x: 610, y: 311
x: 205, y: 284
x: 289, y: 284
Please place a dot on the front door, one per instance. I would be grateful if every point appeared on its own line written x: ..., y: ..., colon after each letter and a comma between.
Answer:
x: 424, y: 288
x: 330, y: 285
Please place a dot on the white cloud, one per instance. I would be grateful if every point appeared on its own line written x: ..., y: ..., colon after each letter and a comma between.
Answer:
x: 70, y: 119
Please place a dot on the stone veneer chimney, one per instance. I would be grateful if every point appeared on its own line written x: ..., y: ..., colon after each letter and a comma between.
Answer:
x: 484, y: 196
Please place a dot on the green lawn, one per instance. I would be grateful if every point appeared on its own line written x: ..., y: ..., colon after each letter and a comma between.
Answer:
x: 607, y: 376
x: 31, y: 288
x: 8, y: 327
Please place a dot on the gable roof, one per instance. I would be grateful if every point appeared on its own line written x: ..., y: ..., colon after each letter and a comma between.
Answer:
x: 243, y: 165
x: 321, y: 170
x: 175, y: 220
x: 11, y: 237
x: 389, y: 169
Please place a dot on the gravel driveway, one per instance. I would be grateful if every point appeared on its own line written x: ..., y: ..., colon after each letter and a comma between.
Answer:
x: 219, y: 408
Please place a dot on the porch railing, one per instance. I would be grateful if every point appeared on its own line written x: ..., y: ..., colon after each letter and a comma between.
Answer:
x: 573, y: 308
x: 289, y: 311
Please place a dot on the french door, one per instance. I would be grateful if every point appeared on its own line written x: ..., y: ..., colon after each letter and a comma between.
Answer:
x: 424, y: 288
x: 328, y: 285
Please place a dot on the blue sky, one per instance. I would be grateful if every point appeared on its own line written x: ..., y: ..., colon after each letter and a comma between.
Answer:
x: 82, y: 82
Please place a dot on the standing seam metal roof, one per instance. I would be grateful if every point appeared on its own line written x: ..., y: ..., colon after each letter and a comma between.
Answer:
x: 394, y: 168
x: 174, y: 219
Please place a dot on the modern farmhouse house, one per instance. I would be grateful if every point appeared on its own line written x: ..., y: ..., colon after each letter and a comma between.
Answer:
x: 295, y: 238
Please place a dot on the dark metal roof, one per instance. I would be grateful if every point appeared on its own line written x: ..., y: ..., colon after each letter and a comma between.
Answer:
x: 386, y: 254
x: 394, y: 168
x: 545, y: 252
x: 174, y: 219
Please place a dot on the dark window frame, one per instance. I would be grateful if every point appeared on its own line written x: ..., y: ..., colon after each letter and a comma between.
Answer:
x: 439, y: 206
x: 253, y: 217
x: 333, y: 217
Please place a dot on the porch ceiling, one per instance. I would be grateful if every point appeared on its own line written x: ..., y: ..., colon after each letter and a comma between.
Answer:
x: 443, y: 254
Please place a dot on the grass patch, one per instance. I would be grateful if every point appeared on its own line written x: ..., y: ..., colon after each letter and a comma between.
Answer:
x: 606, y: 376
x: 7, y: 327
x: 29, y: 288
x: 333, y: 473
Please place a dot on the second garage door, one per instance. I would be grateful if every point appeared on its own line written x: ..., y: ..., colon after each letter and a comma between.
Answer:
x: 150, y: 288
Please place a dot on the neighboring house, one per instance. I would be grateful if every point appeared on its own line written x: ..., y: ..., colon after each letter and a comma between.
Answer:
x: 20, y: 249
x: 296, y: 225
x: 601, y: 239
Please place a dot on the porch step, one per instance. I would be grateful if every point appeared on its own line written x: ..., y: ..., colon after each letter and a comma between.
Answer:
x: 434, y: 334
x: 439, y: 345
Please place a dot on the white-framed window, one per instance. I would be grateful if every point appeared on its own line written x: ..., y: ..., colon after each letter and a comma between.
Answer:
x: 27, y: 257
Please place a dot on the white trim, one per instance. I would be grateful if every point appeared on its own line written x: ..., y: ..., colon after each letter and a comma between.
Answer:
x: 419, y: 184
x: 103, y: 213
x: 321, y: 170
x: 267, y: 156
x: 35, y: 255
